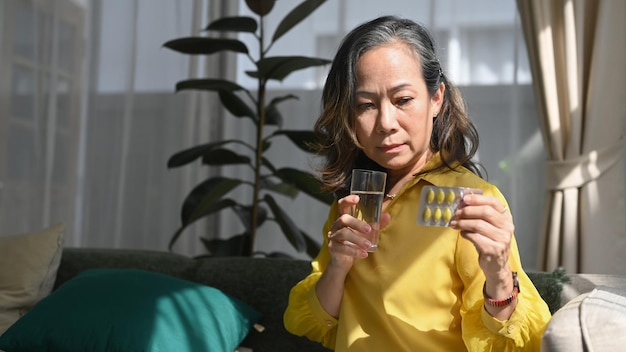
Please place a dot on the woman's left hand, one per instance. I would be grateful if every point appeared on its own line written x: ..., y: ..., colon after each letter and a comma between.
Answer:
x: 487, y: 223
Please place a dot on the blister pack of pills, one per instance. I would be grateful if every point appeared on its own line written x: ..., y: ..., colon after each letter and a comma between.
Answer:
x: 438, y: 204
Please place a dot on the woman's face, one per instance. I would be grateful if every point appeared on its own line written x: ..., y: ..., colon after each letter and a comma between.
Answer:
x: 394, y: 111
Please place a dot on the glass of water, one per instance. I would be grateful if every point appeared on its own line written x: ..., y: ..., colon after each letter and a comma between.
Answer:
x: 369, y: 185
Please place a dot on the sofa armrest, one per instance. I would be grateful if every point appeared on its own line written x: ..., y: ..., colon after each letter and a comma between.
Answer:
x: 583, y: 283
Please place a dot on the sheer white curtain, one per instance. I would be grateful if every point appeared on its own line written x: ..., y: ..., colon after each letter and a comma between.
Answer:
x: 89, y: 117
x: 40, y: 73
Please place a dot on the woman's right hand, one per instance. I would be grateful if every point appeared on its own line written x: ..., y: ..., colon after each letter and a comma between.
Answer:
x: 347, y: 238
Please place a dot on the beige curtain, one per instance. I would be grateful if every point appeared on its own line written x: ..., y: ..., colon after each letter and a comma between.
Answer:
x: 577, y: 51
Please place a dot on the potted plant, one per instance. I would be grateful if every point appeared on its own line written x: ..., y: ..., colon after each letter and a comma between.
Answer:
x: 211, y: 195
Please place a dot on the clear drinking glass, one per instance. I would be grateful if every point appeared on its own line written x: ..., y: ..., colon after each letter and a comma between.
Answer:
x: 369, y: 185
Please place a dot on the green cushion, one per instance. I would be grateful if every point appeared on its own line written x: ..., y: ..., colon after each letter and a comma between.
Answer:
x: 132, y: 310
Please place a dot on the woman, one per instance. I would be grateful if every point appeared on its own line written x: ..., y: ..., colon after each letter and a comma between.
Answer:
x: 388, y: 105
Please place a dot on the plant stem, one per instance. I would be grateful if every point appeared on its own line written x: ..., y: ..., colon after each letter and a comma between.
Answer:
x: 259, y: 147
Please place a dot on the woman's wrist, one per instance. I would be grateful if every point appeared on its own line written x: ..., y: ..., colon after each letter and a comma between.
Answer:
x: 502, y: 302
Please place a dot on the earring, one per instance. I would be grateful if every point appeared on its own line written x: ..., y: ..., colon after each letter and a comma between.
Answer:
x: 435, y: 115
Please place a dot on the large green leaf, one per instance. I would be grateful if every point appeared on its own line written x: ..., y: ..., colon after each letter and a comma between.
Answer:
x: 223, y: 203
x: 187, y: 156
x: 289, y: 228
x: 234, y: 246
x: 273, y: 117
x: 244, y: 213
x: 282, y: 98
x: 272, y: 114
x: 204, y: 45
x: 312, y: 247
x: 208, y: 84
x: 260, y: 7
x: 224, y: 157
x: 283, y: 188
x: 274, y: 254
x: 236, y: 106
x: 279, y: 67
x: 305, y: 140
x: 268, y: 164
x: 266, y: 145
x: 235, y: 24
x: 296, y: 16
x: 305, y: 182
x: 203, y: 199
x: 176, y: 236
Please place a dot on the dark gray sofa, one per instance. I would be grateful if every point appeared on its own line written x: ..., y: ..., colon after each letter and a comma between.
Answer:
x: 264, y: 283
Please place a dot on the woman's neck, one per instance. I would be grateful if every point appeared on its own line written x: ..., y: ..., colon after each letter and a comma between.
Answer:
x: 396, y: 179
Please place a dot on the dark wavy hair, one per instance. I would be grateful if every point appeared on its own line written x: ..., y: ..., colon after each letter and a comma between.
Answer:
x: 454, y: 135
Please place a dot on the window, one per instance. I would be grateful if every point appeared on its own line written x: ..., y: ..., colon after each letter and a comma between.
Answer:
x: 40, y: 115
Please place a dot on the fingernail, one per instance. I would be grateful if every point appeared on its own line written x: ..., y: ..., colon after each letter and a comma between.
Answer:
x: 368, y: 244
x: 453, y: 223
x: 362, y: 254
x: 367, y: 228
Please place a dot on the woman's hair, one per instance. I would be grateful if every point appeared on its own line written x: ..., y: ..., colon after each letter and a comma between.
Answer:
x: 453, y: 135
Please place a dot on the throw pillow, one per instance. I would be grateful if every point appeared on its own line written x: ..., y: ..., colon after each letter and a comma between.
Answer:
x: 550, y: 286
x: 593, y: 321
x: 28, y: 268
x: 132, y: 310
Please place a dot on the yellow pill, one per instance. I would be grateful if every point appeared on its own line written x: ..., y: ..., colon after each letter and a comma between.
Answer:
x: 451, y: 197
x: 430, y: 196
x: 437, y: 214
x: 447, y: 215
x: 440, y: 196
x: 427, y: 214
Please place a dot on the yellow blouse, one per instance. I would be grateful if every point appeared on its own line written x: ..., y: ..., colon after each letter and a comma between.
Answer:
x: 420, y: 291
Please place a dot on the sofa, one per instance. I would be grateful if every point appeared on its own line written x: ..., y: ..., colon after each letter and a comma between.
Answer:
x: 264, y: 284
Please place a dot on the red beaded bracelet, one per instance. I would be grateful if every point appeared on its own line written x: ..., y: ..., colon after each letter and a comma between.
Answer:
x: 502, y: 302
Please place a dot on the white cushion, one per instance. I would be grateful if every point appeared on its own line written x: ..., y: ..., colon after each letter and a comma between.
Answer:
x: 593, y: 321
x: 28, y: 268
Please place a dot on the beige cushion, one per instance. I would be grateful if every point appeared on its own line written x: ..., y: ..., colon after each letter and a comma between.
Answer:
x: 563, y: 331
x: 28, y: 268
x: 593, y: 321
